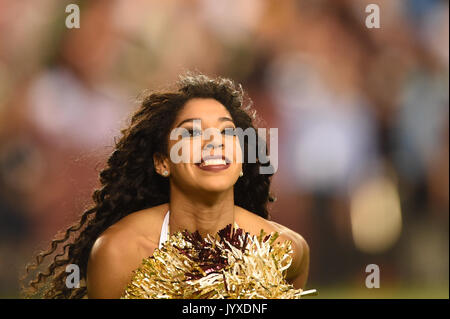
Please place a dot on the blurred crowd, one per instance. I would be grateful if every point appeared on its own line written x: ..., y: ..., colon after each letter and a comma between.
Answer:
x: 362, y: 118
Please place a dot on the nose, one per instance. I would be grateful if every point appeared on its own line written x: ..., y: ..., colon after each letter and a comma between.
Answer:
x: 212, y: 149
x: 213, y: 145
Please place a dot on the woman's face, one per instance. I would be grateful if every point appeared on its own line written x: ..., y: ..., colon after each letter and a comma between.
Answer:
x: 201, y: 126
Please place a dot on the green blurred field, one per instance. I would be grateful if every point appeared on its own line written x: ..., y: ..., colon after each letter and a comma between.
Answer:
x: 389, y: 292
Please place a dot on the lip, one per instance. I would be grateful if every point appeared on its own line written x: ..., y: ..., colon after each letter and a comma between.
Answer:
x: 214, y: 168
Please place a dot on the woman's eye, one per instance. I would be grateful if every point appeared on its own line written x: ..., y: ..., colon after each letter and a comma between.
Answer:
x: 194, y: 132
x: 228, y: 131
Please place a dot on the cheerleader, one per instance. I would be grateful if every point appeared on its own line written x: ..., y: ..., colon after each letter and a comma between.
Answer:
x: 146, y: 195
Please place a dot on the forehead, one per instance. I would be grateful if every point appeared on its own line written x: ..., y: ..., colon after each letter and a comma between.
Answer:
x: 207, y: 109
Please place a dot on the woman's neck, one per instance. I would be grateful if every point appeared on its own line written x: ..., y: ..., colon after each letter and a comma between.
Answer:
x: 207, y: 214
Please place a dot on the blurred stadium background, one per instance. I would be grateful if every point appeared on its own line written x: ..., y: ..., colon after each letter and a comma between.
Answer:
x: 362, y: 116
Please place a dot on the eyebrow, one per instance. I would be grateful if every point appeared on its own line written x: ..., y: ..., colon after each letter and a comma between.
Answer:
x: 221, y: 119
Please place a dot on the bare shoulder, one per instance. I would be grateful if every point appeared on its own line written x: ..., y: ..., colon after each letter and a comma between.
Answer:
x: 138, y: 228
x: 119, y: 250
x: 288, y: 234
x: 254, y: 223
x: 111, y: 262
x: 144, y: 221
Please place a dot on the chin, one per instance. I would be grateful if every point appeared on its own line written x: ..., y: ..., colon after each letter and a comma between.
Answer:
x: 217, y: 185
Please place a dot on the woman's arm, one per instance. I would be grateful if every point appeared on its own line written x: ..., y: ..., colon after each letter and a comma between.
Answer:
x: 297, y: 274
x: 299, y: 270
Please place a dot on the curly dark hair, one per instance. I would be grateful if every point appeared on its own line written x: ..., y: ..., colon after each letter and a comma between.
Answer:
x: 129, y: 182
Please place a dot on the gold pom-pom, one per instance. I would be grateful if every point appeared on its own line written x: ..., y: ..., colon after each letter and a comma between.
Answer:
x: 231, y: 265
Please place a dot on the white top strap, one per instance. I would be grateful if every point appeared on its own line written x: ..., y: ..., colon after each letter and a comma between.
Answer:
x: 164, y: 230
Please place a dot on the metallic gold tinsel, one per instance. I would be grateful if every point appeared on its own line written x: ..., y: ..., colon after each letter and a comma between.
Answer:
x: 232, y: 265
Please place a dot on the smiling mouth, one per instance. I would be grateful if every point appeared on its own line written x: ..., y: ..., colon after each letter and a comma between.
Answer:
x: 214, y: 163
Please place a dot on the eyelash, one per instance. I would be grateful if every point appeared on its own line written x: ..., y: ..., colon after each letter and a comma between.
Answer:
x: 224, y: 131
x: 230, y: 132
x: 191, y: 132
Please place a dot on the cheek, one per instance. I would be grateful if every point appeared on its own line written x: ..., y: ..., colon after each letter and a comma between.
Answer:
x: 185, y: 151
x: 238, y: 157
x: 183, y: 174
x: 195, y: 148
x: 233, y: 149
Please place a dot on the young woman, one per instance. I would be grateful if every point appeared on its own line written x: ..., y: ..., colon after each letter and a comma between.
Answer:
x: 147, y: 196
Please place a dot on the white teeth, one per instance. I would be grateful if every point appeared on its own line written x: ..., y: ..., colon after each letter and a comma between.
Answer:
x: 214, y: 161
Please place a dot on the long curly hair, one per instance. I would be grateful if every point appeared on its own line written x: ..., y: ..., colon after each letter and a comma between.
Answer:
x: 129, y: 182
